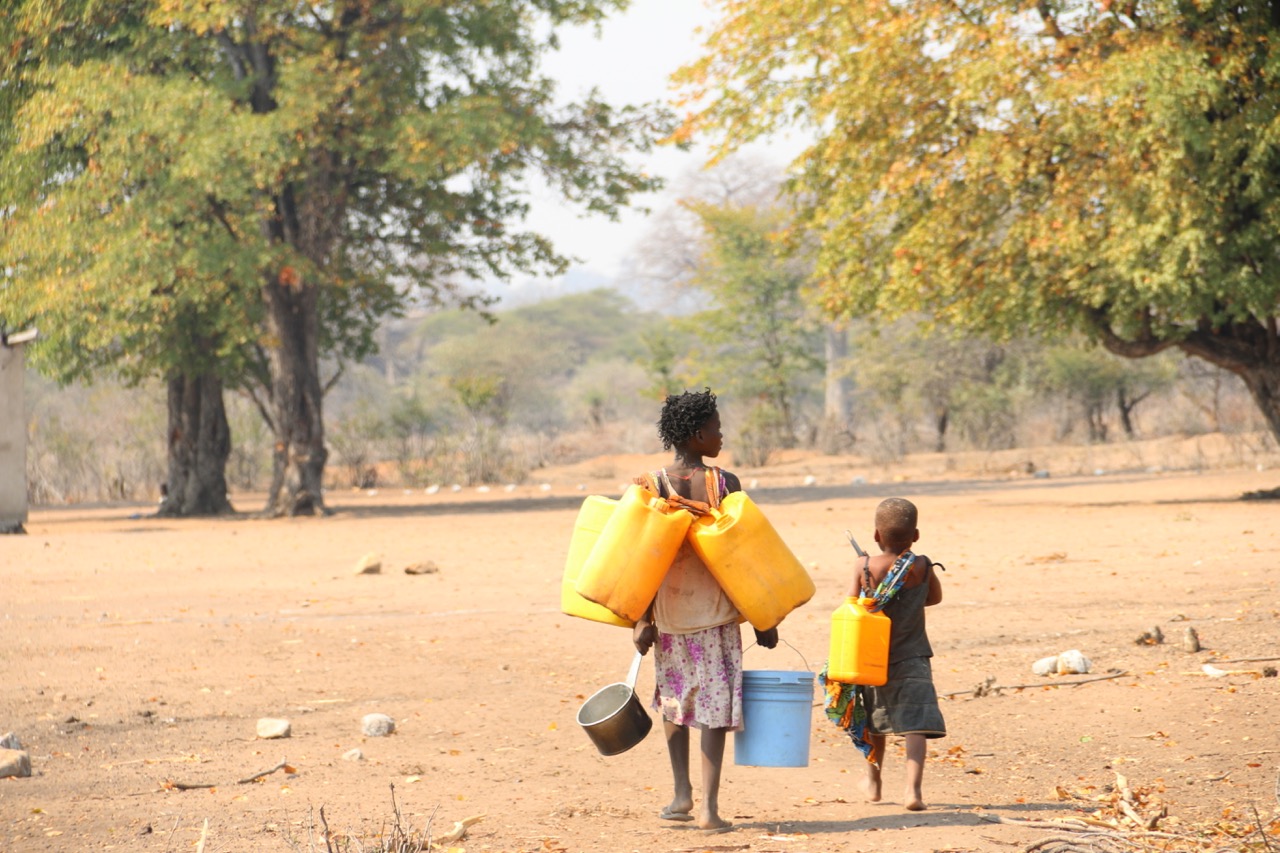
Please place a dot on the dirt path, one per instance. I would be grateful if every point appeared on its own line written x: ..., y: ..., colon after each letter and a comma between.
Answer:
x: 138, y: 653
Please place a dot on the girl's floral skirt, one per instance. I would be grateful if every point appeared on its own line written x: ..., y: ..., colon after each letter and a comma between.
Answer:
x: 699, y: 678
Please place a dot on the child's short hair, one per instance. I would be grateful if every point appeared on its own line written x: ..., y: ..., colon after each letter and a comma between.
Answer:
x: 896, y: 519
x: 683, y: 415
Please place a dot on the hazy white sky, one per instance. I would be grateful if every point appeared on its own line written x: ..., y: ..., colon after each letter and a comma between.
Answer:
x: 630, y: 62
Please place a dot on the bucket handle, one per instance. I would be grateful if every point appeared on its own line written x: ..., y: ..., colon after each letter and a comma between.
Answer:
x: 634, y: 671
x: 793, y: 648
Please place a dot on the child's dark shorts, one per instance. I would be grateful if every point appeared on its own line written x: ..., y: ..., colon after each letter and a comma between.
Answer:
x: 907, y: 704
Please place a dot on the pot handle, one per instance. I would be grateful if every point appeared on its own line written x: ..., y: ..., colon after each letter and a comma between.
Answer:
x: 635, y: 671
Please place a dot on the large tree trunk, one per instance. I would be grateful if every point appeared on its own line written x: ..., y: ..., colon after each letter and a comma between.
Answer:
x: 1263, y: 383
x: 1249, y: 349
x: 296, y: 397
x: 199, y: 444
x: 836, y: 432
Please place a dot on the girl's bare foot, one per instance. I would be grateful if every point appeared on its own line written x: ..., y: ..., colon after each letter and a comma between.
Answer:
x: 713, y: 823
x: 913, y: 801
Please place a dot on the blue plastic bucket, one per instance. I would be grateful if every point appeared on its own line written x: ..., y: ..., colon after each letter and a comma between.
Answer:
x: 777, y: 708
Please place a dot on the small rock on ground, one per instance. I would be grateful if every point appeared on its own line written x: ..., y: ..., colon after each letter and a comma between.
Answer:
x: 270, y: 728
x: 369, y: 564
x: 14, y: 762
x: 377, y: 725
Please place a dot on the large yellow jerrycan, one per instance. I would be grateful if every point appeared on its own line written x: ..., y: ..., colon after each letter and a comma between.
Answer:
x: 636, y: 548
x: 859, y: 651
x: 749, y: 560
x: 595, y: 513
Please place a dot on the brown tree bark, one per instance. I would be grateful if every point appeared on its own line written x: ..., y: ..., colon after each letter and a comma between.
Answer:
x: 297, y: 397
x: 836, y: 431
x: 199, y: 444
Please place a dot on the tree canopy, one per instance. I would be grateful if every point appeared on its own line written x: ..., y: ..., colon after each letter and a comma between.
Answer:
x: 1012, y: 166
x: 238, y: 188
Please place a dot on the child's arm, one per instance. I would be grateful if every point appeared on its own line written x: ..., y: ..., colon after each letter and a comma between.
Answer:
x: 934, y: 595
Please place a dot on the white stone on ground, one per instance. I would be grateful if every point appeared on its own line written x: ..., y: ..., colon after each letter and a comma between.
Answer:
x: 14, y: 762
x: 272, y: 727
x: 370, y: 564
x: 377, y: 725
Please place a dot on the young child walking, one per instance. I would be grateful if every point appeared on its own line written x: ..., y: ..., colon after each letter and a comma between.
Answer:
x: 904, y: 584
x: 691, y: 625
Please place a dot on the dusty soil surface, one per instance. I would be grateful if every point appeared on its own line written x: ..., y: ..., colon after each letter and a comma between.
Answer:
x: 137, y: 655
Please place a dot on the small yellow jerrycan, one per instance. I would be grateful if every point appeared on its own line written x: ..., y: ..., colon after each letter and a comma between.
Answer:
x: 859, y: 651
x: 595, y: 513
x: 749, y: 560
x: 633, y: 553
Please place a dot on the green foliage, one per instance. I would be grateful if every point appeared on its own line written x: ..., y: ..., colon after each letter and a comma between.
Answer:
x: 1095, y: 380
x: 1013, y: 167
x: 164, y: 165
x: 759, y: 340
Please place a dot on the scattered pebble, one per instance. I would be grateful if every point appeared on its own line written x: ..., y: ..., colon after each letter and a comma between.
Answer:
x: 10, y: 741
x: 1045, y: 666
x: 427, y: 568
x: 14, y: 762
x: 1190, y: 640
x: 270, y: 728
x: 1073, y: 662
x: 369, y: 564
x: 377, y: 725
x: 353, y: 755
x: 1154, y: 637
x: 1066, y: 663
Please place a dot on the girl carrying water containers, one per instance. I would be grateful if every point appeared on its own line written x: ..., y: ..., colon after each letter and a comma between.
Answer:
x: 692, y: 625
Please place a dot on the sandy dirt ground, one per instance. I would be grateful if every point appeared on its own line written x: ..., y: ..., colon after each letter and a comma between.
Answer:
x: 138, y: 654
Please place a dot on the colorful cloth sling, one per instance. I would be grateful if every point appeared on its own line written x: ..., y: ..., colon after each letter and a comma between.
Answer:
x: 716, y: 485
x: 846, y: 703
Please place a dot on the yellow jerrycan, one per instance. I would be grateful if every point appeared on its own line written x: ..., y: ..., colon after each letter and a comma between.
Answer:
x: 749, y: 560
x: 595, y: 513
x: 633, y: 553
x: 859, y: 651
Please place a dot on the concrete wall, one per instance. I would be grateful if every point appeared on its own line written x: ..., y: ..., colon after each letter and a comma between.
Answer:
x: 13, y: 440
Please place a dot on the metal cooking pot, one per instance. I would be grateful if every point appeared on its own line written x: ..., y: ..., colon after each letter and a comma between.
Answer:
x: 613, y: 717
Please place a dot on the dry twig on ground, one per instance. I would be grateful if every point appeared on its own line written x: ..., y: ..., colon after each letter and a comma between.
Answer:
x: 171, y: 785
x: 987, y: 688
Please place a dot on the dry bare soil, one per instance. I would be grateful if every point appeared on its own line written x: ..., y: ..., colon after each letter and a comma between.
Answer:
x: 137, y: 655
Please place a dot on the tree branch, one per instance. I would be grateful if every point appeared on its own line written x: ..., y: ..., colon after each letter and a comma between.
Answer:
x: 1051, y: 27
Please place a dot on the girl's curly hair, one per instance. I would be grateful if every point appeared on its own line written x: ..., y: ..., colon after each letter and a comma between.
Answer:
x: 683, y: 415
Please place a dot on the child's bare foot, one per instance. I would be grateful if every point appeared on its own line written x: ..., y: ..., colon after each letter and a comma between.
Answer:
x: 871, y: 784
x: 913, y: 801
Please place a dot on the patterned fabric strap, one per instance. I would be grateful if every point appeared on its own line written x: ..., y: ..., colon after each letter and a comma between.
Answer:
x: 888, y: 588
x: 716, y: 486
